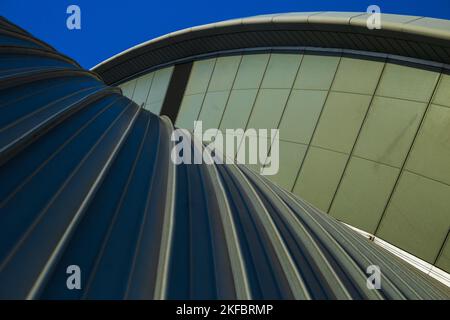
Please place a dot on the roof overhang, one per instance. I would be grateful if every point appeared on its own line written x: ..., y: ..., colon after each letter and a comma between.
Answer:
x: 412, y: 37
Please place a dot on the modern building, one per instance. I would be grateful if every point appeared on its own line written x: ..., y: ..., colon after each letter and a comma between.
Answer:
x: 364, y: 115
x: 92, y: 207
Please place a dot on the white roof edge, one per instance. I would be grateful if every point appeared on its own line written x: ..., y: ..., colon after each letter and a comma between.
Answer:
x: 416, y: 25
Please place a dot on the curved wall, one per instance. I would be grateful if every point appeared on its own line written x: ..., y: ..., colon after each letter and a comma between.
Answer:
x: 364, y: 140
x: 87, y: 187
x: 414, y: 37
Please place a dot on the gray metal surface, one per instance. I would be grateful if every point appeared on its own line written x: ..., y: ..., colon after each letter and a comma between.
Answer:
x: 86, y: 179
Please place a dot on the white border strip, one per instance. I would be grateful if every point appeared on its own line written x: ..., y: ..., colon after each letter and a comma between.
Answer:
x: 420, y: 264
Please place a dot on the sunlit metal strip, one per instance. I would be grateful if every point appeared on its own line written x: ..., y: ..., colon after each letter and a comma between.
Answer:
x: 44, y: 275
x: 169, y: 213
x: 294, y: 279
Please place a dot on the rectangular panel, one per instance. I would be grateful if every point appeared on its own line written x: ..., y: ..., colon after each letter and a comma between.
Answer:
x: 340, y: 121
x: 189, y: 110
x: 142, y: 88
x: 200, y: 76
x: 281, y: 70
x: 301, y: 114
x: 238, y: 108
x: 290, y: 158
x: 213, y: 108
x: 357, y: 76
x: 128, y: 88
x: 443, y: 261
x: 316, y: 72
x: 417, y: 219
x: 224, y: 73
x: 268, y: 108
x: 430, y: 155
x: 251, y: 71
x: 404, y: 82
x: 320, y: 176
x: 363, y: 193
x: 442, y: 96
x: 160, y: 83
x: 389, y: 130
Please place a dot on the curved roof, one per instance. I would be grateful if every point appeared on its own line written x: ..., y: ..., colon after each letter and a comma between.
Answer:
x: 141, y: 227
x: 406, y: 36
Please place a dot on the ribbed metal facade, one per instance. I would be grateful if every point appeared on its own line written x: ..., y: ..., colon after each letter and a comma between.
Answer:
x: 86, y: 179
x: 369, y: 148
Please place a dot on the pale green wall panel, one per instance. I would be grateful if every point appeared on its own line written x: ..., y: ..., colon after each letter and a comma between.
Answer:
x: 316, y: 72
x: 251, y: 71
x: 268, y: 108
x: 160, y: 83
x: 443, y: 261
x: 301, y: 114
x: 357, y: 76
x: 281, y: 71
x: 389, y: 130
x: 224, y: 73
x: 291, y: 157
x: 142, y: 89
x: 430, y: 155
x: 150, y: 89
x: 442, y: 96
x: 320, y: 176
x: 340, y: 121
x: 339, y: 105
x: 404, y: 82
x: 189, y: 110
x: 154, y: 107
x: 128, y: 88
x: 238, y: 108
x: 200, y: 76
x: 213, y: 108
x: 407, y: 223
x: 363, y: 193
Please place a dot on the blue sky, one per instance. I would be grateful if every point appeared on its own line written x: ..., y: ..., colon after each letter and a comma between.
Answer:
x: 109, y: 27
